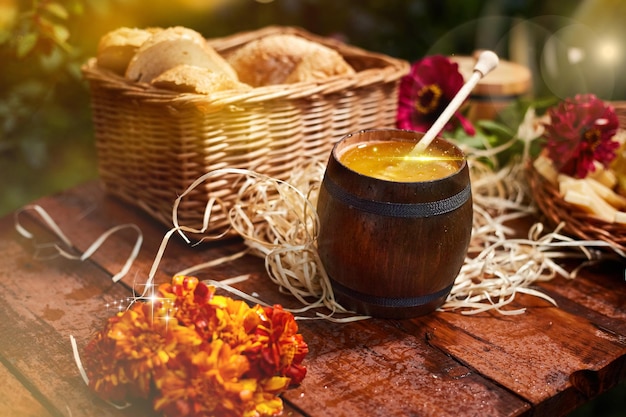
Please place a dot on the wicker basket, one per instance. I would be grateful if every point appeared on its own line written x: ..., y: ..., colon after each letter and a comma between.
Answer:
x: 152, y: 144
x: 577, y: 223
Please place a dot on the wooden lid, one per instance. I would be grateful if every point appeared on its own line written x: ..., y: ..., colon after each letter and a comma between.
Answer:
x: 507, y: 79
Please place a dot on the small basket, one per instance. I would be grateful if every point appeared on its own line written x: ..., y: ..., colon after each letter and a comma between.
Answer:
x: 620, y: 111
x: 153, y: 143
x: 576, y: 223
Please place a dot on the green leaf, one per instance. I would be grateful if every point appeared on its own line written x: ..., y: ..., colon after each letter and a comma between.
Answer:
x: 60, y: 34
x: 25, y: 44
x: 5, y: 36
x: 77, y: 7
x: 55, y: 31
x: 496, y: 128
x: 476, y: 141
x: 57, y: 10
x: 52, y: 61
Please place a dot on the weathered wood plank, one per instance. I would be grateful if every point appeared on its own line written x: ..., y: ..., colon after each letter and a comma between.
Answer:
x: 544, y: 362
x: 598, y: 292
x: 376, y: 356
x: 42, y: 303
x: 373, y: 368
x: 83, y: 213
x: 552, y: 358
x: 16, y: 400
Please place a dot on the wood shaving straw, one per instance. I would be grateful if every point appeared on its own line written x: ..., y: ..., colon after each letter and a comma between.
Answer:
x: 278, y: 221
x: 65, y: 247
x: 498, y: 265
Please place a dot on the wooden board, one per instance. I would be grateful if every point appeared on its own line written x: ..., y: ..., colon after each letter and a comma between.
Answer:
x: 547, y: 361
x: 14, y: 396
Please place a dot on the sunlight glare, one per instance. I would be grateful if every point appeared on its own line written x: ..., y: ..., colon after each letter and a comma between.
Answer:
x: 608, y: 51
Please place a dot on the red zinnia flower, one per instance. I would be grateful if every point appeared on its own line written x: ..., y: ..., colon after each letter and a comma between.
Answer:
x: 426, y: 91
x: 580, y: 132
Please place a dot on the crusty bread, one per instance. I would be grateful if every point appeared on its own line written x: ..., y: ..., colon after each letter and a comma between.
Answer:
x: 171, y: 47
x: 284, y: 59
x: 117, y: 47
x: 190, y: 79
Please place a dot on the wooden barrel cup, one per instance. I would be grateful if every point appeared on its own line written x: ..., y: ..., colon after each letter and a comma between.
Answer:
x: 393, y: 249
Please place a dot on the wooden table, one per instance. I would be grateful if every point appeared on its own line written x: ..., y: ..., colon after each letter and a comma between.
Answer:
x: 545, y: 362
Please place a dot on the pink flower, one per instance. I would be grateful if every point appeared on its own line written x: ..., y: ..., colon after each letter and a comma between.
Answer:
x: 426, y: 91
x: 580, y: 132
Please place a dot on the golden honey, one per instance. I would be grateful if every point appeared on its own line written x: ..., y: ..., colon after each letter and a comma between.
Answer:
x: 392, y: 161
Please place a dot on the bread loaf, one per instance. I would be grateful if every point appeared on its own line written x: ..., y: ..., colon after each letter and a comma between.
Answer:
x: 180, y: 59
x: 190, y: 79
x: 117, y: 47
x: 172, y: 47
x: 284, y: 59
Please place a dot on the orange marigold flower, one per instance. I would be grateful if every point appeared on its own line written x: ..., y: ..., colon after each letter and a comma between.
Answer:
x: 236, y: 323
x: 121, y: 360
x: 206, y: 383
x: 197, y: 354
x: 279, y: 349
x: 191, y: 304
x: 106, y: 378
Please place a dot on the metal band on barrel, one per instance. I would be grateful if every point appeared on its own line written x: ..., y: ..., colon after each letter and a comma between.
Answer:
x: 392, y: 302
x: 414, y: 210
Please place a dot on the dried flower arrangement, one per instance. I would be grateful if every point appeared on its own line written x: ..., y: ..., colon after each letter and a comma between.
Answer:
x: 581, y: 156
